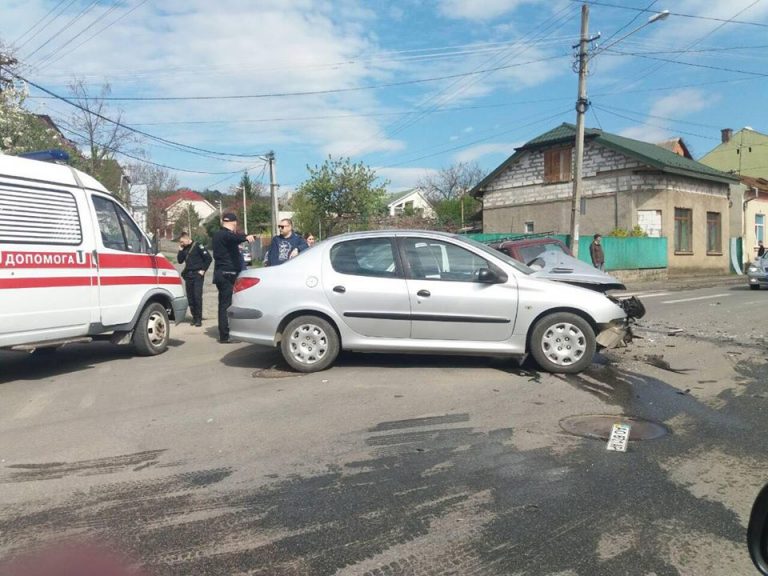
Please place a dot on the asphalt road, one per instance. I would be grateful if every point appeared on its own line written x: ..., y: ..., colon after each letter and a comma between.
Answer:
x: 210, y: 459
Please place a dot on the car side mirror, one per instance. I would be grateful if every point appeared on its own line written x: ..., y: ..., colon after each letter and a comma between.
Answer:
x: 757, y: 532
x: 490, y: 276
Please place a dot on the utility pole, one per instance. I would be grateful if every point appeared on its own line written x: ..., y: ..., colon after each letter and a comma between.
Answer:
x: 273, y: 191
x: 245, y: 212
x: 581, y: 107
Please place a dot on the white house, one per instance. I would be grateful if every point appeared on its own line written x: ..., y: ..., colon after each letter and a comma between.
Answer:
x: 176, y: 205
x: 411, y: 201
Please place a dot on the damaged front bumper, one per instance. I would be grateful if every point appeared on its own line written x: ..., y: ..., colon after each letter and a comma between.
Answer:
x: 619, y: 332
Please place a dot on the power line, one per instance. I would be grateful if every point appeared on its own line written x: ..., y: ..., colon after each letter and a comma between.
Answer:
x: 28, y: 40
x: 628, y: 24
x: 693, y: 64
x: 36, y: 24
x: 96, y: 33
x: 646, y: 123
x: 479, y: 140
x: 183, y: 147
x: 307, y: 92
x: 145, y: 161
x: 678, y: 14
x: 66, y: 26
x: 442, y: 97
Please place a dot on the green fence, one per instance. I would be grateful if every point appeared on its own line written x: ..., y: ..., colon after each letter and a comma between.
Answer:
x: 628, y: 253
x: 620, y: 253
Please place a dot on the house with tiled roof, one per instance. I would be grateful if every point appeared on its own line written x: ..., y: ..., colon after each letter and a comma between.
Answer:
x: 176, y: 205
x: 626, y: 183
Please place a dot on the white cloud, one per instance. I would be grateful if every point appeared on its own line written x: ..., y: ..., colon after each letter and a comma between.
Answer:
x: 681, y: 103
x: 404, y: 178
x: 481, y: 150
x: 647, y: 133
x: 478, y: 10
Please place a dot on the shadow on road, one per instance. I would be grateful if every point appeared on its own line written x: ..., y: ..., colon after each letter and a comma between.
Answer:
x: 68, y: 358
x: 258, y: 358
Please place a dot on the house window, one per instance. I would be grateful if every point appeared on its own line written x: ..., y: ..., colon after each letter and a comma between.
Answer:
x: 683, y: 227
x: 714, y: 233
x: 557, y: 165
x: 529, y: 227
x: 760, y: 227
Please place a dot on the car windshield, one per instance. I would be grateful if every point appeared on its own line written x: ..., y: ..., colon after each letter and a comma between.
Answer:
x: 496, y: 254
x: 530, y: 252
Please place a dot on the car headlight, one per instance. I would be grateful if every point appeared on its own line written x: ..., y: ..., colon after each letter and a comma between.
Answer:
x: 753, y: 269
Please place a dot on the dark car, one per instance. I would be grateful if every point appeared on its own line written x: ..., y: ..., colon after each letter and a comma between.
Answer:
x: 526, y: 250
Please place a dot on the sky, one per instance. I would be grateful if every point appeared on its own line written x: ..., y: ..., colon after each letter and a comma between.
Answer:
x: 406, y: 86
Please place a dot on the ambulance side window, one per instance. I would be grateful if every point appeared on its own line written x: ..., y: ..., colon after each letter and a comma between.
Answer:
x: 118, y: 232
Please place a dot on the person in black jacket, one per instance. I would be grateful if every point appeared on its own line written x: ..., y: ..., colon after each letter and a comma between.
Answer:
x: 596, y: 252
x: 196, y: 260
x: 227, y: 265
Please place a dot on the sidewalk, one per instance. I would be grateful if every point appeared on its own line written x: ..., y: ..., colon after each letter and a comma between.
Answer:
x: 687, y: 283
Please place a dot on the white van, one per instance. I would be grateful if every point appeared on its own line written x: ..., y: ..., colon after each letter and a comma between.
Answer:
x: 75, y: 267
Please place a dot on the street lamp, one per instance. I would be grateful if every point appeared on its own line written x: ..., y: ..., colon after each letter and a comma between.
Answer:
x: 582, y: 104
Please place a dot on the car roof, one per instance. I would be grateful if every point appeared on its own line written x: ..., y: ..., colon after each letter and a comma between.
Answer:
x: 26, y: 168
x: 394, y: 232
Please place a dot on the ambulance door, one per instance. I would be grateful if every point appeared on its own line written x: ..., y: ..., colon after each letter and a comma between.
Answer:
x: 126, y: 269
x: 47, y: 285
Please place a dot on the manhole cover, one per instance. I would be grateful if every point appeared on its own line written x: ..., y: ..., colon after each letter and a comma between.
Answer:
x: 599, y: 426
x: 275, y: 372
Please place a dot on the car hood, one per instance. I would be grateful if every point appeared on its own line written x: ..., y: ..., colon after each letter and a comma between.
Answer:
x: 555, y: 265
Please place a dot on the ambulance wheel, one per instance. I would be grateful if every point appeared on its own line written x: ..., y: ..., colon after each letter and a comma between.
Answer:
x: 152, y: 331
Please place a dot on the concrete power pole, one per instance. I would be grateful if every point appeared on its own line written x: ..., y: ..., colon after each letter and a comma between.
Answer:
x: 273, y: 192
x: 581, y: 107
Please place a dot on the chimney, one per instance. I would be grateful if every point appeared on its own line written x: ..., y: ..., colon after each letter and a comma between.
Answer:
x: 725, y: 134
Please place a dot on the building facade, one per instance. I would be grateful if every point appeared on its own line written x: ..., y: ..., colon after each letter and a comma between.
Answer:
x: 626, y: 183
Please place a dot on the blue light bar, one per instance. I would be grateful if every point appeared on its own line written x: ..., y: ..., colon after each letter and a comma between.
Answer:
x: 47, y: 155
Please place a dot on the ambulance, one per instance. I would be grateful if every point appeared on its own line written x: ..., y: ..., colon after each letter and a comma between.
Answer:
x: 75, y: 267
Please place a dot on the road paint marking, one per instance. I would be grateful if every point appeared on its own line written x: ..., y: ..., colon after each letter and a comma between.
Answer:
x: 644, y: 294
x: 697, y: 298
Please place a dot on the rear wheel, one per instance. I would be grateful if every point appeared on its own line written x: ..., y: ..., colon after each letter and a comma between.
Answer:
x: 754, y: 286
x: 152, y: 331
x: 309, y: 344
x: 563, y: 343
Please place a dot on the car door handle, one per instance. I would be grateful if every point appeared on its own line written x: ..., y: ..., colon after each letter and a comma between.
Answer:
x: 339, y: 289
x: 424, y: 293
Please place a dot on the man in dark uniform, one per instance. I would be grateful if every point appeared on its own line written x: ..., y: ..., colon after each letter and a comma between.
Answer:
x: 196, y: 260
x: 228, y: 263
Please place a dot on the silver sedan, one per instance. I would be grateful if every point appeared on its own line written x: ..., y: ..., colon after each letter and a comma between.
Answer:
x: 419, y: 292
x: 757, y: 273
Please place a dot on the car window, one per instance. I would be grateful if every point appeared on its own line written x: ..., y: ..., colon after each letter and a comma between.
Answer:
x: 366, y: 257
x: 506, y: 258
x: 436, y: 260
x: 118, y: 231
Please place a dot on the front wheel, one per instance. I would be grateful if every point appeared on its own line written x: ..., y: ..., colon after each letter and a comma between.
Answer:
x: 152, y: 331
x: 309, y: 344
x: 563, y: 343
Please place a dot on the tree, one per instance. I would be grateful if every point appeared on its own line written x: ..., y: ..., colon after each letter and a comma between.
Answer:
x: 101, y: 139
x: 20, y: 130
x: 189, y: 221
x: 338, y: 195
x: 451, y: 182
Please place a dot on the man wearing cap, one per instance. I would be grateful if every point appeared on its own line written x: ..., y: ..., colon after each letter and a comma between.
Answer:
x: 227, y: 265
x: 196, y: 260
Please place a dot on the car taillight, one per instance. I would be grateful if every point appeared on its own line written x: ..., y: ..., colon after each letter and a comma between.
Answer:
x: 245, y: 283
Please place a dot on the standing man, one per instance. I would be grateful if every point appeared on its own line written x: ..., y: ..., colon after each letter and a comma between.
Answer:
x: 285, y: 245
x: 196, y: 260
x: 596, y: 252
x: 760, y: 249
x: 228, y: 264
